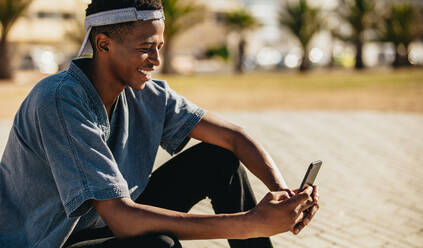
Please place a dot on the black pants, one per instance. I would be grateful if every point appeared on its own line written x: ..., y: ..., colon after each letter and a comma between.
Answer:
x: 202, y: 171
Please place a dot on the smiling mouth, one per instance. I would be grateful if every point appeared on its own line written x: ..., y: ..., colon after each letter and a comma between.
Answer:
x: 146, y: 73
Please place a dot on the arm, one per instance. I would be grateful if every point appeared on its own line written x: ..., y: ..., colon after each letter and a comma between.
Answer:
x: 213, y: 130
x: 278, y: 212
x: 274, y: 214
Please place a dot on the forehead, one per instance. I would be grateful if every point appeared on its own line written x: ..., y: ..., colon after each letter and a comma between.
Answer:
x: 151, y: 30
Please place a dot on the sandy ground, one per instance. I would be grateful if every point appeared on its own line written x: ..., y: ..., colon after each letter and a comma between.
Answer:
x: 371, y: 180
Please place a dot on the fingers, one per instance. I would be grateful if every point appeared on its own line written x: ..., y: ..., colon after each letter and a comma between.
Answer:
x: 297, y: 228
x: 308, y: 216
x: 277, y: 195
x: 313, y: 212
x: 306, y: 209
x: 282, y: 195
x: 303, y: 196
x: 290, y: 192
x: 315, y: 194
x: 306, y: 206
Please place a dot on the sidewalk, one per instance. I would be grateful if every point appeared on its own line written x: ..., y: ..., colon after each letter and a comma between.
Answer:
x: 371, y: 181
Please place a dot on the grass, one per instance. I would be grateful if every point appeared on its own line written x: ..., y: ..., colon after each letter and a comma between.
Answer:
x: 324, y: 80
x: 381, y: 90
x: 378, y: 90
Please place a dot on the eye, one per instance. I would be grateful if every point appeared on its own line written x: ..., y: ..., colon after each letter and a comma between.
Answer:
x: 143, y: 50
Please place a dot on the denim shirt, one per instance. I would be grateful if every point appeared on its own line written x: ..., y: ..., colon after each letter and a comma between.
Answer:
x: 63, y: 151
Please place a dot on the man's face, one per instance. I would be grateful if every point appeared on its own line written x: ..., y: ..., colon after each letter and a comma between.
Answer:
x: 135, y: 56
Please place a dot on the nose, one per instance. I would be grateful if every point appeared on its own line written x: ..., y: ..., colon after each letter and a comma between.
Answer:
x: 154, y: 57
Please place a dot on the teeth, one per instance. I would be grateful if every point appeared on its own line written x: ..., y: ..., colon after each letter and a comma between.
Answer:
x: 144, y: 72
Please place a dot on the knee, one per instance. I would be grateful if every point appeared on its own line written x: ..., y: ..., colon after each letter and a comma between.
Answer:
x: 220, y: 156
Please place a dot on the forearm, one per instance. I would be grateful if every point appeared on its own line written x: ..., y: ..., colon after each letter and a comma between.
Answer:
x: 214, y: 130
x: 129, y: 219
x: 258, y: 161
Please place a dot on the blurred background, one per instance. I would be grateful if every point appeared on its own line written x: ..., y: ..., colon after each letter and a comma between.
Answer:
x: 227, y: 35
x: 337, y: 80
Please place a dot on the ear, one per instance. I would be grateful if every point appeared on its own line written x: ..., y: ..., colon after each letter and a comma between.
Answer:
x: 102, y: 43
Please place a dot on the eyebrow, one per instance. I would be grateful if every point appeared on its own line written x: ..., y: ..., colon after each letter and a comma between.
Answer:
x: 150, y: 43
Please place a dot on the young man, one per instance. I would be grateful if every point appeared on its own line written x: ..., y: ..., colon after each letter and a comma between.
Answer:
x: 76, y: 168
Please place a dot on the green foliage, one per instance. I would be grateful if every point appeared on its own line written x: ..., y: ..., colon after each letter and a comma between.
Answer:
x: 10, y: 11
x: 400, y: 25
x: 221, y: 52
x: 181, y: 15
x: 302, y: 20
x: 240, y: 20
x: 359, y: 14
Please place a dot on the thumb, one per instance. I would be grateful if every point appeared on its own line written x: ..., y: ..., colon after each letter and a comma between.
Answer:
x: 282, y: 195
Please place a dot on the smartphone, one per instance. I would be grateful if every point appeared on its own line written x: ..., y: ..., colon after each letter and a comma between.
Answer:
x: 310, y: 175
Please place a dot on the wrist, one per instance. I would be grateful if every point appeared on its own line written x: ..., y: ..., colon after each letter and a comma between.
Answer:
x: 251, y: 224
x: 279, y: 187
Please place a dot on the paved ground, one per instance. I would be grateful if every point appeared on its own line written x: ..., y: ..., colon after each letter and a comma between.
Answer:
x: 371, y: 180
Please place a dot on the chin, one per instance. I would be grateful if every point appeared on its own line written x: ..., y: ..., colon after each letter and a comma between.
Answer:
x: 138, y: 86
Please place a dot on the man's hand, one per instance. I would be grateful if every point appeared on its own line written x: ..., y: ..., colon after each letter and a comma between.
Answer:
x: 289, y: 191
x: 278, y: 212
x: 309, y: 213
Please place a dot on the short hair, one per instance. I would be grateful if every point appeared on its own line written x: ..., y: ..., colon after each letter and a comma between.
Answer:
x: 119, y: 30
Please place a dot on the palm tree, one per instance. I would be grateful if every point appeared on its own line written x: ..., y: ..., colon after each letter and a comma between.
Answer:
x: 304, y: 22
x: 400, y: 26
x: 180, y: 16
x: 359, y: 15
x: 10, y: 11
x: 240, y: 21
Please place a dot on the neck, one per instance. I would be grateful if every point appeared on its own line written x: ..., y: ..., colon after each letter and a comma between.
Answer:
x: 108, y: 88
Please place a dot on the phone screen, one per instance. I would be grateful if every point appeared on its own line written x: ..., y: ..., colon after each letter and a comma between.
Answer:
x: 310, y: 175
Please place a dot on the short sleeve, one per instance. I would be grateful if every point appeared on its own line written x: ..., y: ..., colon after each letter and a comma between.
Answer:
x: 181, y: 117
x: 82, y: 165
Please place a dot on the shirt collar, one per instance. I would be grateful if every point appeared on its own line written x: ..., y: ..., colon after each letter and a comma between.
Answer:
x: 94, y: 98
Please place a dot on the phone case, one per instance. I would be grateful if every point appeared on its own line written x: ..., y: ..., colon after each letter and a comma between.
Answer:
x: 311, y: 174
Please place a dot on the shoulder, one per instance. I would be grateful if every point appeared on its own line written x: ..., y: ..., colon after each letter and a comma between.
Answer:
x: 55, y: 88
x: 157, y: 86
x: 154, y: 89
x: 61, y: 85
x: 52, y: 94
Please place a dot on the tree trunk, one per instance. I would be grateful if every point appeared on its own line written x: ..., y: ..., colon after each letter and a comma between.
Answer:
x: 406, y: 58
x: 397, y: 60
x: 305, y: 61
x: 305, y: 64
x: 241, y: 56
x: 401, y: 56
x: 5, y: 70
x: 167, y: 57
x: 359, y: 55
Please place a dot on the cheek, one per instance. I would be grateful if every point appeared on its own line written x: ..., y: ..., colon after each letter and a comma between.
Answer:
x: 136, y: 60
x: 128, y: 63
x: 142, y: 57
